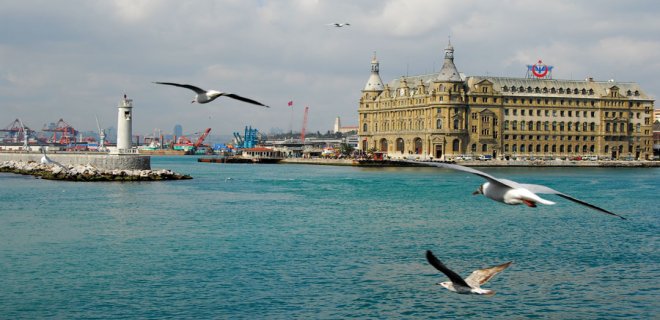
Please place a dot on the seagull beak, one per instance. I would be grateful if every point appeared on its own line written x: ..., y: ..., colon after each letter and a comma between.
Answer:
x: 478, y: 191
x: 192, y: 101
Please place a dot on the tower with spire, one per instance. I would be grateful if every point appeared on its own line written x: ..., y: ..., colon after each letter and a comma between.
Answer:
x: 374, y: 83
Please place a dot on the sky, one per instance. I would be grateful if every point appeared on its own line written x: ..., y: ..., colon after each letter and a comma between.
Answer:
x: 74, y: 60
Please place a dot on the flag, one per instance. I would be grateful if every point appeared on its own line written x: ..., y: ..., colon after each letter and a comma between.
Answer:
x: 290, y: 103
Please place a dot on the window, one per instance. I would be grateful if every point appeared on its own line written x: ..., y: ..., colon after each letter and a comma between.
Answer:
x: 455, y: 145
x: 455, y: 124
x: 438, y: 124
x: 364, y: 127
x: 400, y: 145
x: 473, y: 148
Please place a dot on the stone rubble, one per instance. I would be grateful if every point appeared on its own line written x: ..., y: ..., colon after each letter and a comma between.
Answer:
x: 87, y: 172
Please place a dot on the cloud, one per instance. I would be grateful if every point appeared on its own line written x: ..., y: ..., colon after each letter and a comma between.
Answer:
x: 81, y: 56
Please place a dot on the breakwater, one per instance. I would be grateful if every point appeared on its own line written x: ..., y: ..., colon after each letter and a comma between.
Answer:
x: 97, y: 160
x: 52, y: 171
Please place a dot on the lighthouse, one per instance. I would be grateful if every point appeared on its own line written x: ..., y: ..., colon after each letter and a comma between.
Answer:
x: 124, y: 125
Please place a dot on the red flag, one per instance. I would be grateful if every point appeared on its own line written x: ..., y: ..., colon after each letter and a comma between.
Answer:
x: 290, y: 103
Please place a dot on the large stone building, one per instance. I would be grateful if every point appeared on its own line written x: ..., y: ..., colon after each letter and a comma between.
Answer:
x: 446, y: 114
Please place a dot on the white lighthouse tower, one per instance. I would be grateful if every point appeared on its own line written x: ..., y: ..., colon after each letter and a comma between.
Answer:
x: 125, y: 126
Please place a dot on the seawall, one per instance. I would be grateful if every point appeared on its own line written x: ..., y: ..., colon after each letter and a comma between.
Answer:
x: 100, y: 161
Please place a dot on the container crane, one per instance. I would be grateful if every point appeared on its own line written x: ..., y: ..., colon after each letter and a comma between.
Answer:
x: 17, y: 132
x: 67, y: 132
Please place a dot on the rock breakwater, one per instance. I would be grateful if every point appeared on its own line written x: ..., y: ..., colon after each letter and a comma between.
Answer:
x: 52, y: 171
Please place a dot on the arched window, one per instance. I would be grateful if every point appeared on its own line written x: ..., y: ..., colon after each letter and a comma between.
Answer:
x: 400, y: 146
x: 455, y: 124
x: 484, y: 148
x: 455, y: 146
x: 506, y: 124
x: 383, y: 145
x: 561, y: 148
x: 607, y: 127
x: 514, y: 148
x: 554, y: 148
x: 570, y: 126
x: 545, y: 148
x: 561, y: 126
x: 418, y: 145
x: 554, y: 125
x: 473, y: 147
x: 638, y: 127
x: 592, y: 148
x: 538, y: 125
x: 530, y: 148
x: 522, y: 125
x: 438, y: 124
x: 546, y: 126
x: 622, y: 127
x: 506, y: 148
x: 364, y: 127
x: 522, y: 148
x: 607, y: 149
x: 570, y: 148
x: 538, y: 148
x: 514, y: 125
x: 584, y: 148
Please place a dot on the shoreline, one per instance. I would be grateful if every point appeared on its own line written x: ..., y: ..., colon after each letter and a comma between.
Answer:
x: 477, y: 163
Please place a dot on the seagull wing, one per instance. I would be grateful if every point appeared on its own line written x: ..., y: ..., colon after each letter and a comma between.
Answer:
x: 504, y: 182
x: 453, y: 276
x: 536, y: 188
x: 481, y: 276
x: 237, y: 97
x: 187, y: 86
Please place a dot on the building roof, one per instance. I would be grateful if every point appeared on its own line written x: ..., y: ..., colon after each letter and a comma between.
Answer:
x: 560, y: 88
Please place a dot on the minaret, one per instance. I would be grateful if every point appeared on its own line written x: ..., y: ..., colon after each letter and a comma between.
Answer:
x: 124, y: 125
x: 374, y: 83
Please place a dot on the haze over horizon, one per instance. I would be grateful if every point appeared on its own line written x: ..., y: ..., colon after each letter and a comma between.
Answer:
x: 75, y: 59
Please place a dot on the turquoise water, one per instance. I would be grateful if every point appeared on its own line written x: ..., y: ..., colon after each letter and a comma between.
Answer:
x: 300, y: 241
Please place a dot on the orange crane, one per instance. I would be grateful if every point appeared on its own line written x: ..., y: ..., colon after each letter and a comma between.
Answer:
x: 304, y: 127
x: 68, y: 133
x: 202, y: 137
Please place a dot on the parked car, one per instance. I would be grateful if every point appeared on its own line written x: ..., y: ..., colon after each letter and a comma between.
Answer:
x: 485, y: 157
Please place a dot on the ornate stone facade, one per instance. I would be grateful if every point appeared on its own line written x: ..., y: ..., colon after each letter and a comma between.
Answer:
x: 444, y: 115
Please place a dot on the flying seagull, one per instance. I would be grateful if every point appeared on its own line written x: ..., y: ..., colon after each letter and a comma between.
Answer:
x: 339, y: 25
x: 203, y: 96
x: 511, y: 192
x: 469, y: 285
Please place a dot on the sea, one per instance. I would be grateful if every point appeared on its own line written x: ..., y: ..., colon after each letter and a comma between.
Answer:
x: 292, y: 241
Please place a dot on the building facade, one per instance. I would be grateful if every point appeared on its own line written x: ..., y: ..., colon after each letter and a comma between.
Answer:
x: 445, y: 114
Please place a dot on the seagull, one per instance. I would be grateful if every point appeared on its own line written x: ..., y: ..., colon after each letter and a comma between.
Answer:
x: 511, y: 192
x: 203, y: 96
x: 469, y: 285
x: 339, y: 25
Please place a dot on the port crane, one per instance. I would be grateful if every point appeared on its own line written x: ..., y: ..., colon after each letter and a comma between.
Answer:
x: 67, y: 132
x: 18, y: 132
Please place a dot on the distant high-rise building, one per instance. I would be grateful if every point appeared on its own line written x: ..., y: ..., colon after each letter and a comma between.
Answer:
x: 178, y: 130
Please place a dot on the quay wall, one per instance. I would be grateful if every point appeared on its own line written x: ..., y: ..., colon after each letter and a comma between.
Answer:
x: 319, y: 161
x: 100, y: 161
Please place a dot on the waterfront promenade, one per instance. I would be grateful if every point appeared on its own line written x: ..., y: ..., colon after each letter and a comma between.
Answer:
x: 477, y: 163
